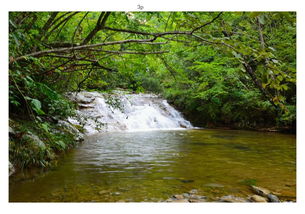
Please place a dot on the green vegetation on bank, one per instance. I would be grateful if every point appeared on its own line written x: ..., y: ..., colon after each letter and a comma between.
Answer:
x: 233, y: 69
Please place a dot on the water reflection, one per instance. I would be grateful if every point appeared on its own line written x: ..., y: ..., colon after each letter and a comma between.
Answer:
x: 151, y: 166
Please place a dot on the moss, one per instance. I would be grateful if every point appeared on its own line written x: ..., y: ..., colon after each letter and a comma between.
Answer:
x: 38, y: 144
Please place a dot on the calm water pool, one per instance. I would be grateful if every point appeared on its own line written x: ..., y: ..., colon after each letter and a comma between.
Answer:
x: 152, y: 166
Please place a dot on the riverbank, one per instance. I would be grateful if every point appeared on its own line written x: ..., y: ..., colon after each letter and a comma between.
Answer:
x: 37, y: 144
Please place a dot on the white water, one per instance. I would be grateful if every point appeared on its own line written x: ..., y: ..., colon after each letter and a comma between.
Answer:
x: 100, y: 112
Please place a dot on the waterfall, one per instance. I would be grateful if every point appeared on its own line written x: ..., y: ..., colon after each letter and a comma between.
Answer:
x: 121, y: 111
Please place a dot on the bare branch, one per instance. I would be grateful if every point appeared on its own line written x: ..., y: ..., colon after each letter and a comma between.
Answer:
x: 143, y: 41
x: 60, y: 23
x: 210, y: 22
x: 134, y: 52
x: 81, y: 47
x: 99, y: 25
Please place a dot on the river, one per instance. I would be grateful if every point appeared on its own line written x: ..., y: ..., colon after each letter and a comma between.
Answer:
x: 153, y: 165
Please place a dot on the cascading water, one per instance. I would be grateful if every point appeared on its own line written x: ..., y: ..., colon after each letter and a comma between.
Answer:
x: 120, y: 111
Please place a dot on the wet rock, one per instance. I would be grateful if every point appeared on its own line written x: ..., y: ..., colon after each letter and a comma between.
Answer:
x: 179, y: 197
x: 84, y: 106
x: 186, y: 195
x: 116, y: 193
x: 11, y: 168
x: 273, y: 198
x: 197, y: 197
x: 186, y: 181
x: 197, y: 200
x: 257, y: 198
x: 83, y: 97
x: 265, y: 193
x: 103, y: 192
x: 231, y: 198
x: 214, y: 185
x: 193, y: 191
x: 70, y: 128
x: 261, y: 191
x: 181, y: 201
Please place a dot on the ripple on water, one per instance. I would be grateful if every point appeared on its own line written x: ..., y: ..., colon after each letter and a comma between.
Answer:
x: 155, y: 165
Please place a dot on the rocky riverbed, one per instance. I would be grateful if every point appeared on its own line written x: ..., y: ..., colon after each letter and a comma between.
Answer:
x: 260, y: 195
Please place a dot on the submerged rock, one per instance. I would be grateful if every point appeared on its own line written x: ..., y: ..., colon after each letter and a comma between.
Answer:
x: 116, y: 193
x: 214, y: 185
x: 102, y: 192
x: 231, y: 198
x: 193, y: 191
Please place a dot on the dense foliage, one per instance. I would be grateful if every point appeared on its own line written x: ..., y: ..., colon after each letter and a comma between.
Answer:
x: 235, y: 69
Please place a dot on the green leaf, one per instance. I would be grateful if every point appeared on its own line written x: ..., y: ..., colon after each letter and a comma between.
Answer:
x: 36, y: 105
x: 237, y: 55
x: 285, y: 87
x: 261, y: 19
x: 61, y: 144
x: 45, y: 127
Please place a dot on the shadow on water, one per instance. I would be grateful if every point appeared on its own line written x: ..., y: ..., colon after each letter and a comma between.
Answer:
x: 232, y: 146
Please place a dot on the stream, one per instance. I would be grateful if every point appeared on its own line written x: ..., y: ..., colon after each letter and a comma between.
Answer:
x: 158, y: 154
x: 152, y: 166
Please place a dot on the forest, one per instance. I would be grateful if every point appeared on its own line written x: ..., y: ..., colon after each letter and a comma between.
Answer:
x: 229, y: 70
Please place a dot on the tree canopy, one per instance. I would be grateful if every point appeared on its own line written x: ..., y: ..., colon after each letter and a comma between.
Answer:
x: 219, y: 68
